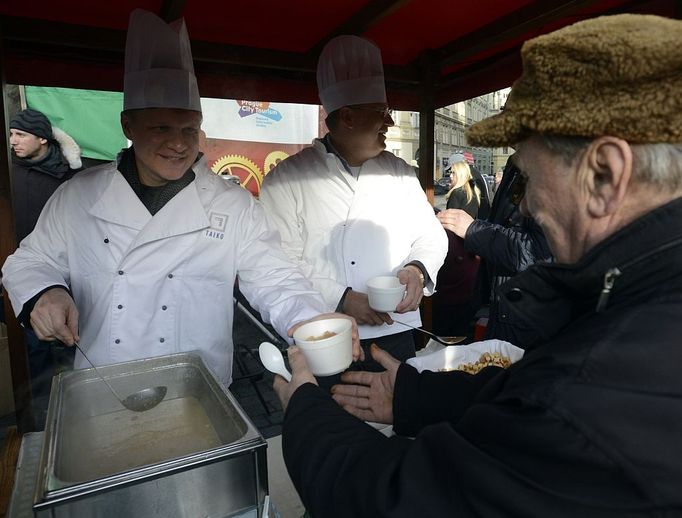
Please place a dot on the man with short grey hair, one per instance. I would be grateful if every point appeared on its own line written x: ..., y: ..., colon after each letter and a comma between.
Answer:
x: 586, y: 423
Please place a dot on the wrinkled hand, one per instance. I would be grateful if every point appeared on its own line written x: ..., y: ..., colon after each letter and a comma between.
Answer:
x: 414, y: 290
x: 455, y: 220
x: 356, y: 304
x: 55, y: 317
x: 369, y: 395
x: 300, y: 375
x: 358, y: 353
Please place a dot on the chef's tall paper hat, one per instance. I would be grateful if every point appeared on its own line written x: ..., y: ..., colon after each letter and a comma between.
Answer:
x: 159, y: 72
x: 350, y: 72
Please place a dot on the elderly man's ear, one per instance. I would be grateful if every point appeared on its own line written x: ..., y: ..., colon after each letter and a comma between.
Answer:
x: 607, y: 175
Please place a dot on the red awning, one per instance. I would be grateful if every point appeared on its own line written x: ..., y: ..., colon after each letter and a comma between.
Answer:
x: 436, y: 51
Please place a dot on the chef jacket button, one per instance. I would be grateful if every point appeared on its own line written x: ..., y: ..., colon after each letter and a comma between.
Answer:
x: 117, y: 341
x: 120, y: 306
x: 120, y: 272
x: 504, y: 316
x: 515, y: 294
x: 170, y: 275
x: 164, y: 308
x: 352, y: 262
x: 162, y: 340
x: 106, y: 239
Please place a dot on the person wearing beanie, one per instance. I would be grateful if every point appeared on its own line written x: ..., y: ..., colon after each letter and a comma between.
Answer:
x: 586, y: 423
x: 348, y: 210
x: 138, y: 258
x: 43, y: 158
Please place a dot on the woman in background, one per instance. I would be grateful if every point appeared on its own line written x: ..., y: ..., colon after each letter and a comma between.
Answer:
x: 464, y: 193
x: 453, y: 308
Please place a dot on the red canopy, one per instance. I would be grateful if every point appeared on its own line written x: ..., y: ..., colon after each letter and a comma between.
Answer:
x: 435, y: 51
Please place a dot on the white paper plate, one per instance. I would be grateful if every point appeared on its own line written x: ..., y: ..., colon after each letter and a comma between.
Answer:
x: 436, y: 357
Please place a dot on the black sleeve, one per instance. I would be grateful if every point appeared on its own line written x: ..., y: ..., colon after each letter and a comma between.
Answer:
x: 426, y: 398
x: 505, y: 458
x: 24, y: 318
x: 510, y: 250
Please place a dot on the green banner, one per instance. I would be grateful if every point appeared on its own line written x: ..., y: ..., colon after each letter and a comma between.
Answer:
x: 91, y: 117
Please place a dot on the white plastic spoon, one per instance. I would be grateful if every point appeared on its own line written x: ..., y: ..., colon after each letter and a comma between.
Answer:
x: 272, y: 359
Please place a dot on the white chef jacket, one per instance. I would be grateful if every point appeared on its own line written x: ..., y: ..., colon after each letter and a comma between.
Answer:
x: 153, y: 285
x: 343, y: 231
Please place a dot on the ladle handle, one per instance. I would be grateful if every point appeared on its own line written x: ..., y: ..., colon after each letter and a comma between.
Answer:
x: 435, y: 337
x: 99, y: 373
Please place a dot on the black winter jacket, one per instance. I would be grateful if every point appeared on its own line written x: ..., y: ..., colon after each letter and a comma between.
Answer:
x: 587, y: 424
x: 33, y: 182
x: 507, y: 243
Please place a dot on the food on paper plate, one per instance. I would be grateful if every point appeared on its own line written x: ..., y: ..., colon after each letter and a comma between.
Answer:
x: 487, y: 359
x: 326, y: 334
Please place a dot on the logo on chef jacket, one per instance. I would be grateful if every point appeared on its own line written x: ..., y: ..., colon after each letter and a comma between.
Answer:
x: 218, y: 225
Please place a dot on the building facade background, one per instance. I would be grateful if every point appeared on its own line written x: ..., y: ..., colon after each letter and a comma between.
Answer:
x: 450, y: 127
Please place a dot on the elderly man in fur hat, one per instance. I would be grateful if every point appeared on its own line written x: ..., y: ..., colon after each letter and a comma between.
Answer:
x: 138, y: 257
x: 587, y: 422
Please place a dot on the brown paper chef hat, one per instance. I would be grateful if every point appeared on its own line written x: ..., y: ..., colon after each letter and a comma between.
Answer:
x: 159, y: 72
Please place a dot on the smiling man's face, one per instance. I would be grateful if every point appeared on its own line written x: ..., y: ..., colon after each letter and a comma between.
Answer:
x: 166, y: 142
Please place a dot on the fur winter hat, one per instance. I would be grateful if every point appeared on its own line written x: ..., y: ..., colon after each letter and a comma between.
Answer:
x: 614, y: 75
x: 33, y: 122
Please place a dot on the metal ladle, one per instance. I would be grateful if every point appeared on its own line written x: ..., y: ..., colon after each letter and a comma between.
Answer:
x: 445, y: 340
x: 140, y: 401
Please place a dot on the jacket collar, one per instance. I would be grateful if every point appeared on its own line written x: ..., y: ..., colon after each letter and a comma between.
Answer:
x: 189, y: 212
x: 643, y: 257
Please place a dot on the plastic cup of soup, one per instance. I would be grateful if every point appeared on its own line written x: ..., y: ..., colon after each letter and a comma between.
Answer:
x: 385, y: 293
x: 326, y: 344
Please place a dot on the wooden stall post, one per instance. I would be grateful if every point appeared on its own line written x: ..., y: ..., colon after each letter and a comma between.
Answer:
x: 21, y: 377
x: 427, y: 121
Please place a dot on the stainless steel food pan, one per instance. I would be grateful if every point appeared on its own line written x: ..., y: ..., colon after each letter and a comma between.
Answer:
x: 194, y: 455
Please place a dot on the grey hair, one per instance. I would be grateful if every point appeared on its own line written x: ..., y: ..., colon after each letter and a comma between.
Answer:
x: 657, y: 164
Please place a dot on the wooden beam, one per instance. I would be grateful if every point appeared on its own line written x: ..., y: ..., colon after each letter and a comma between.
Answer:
x: 21, y: 378
x: 508, y: 28
x: 362, y: 20
x: 427, y: 126
x: 171, y: 10
x: 427, y: 122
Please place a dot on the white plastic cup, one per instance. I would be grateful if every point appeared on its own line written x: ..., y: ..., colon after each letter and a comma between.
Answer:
x: 326, y: 356
x: 385, y: 293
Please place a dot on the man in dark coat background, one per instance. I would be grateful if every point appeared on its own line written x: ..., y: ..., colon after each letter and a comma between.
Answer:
x: 587, y: 422
x: 43, y: 158
x: 508, y: 242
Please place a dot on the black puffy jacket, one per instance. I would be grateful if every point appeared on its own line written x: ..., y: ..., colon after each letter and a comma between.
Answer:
x: 507, y: 243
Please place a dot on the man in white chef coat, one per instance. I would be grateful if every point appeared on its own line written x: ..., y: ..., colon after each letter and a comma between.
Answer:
x: 348, y: 210
x: 138, y: 258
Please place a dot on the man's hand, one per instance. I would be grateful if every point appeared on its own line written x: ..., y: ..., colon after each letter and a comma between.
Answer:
x: 411, y: 277
x: 300, y: 374
x: 55, y: 317
x: 358, y: 353
x: 369, y: 395
x: 455, y: 220
x: 356, y: 304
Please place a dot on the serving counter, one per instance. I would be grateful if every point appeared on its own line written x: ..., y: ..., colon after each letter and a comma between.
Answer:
x: 195, y: 454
